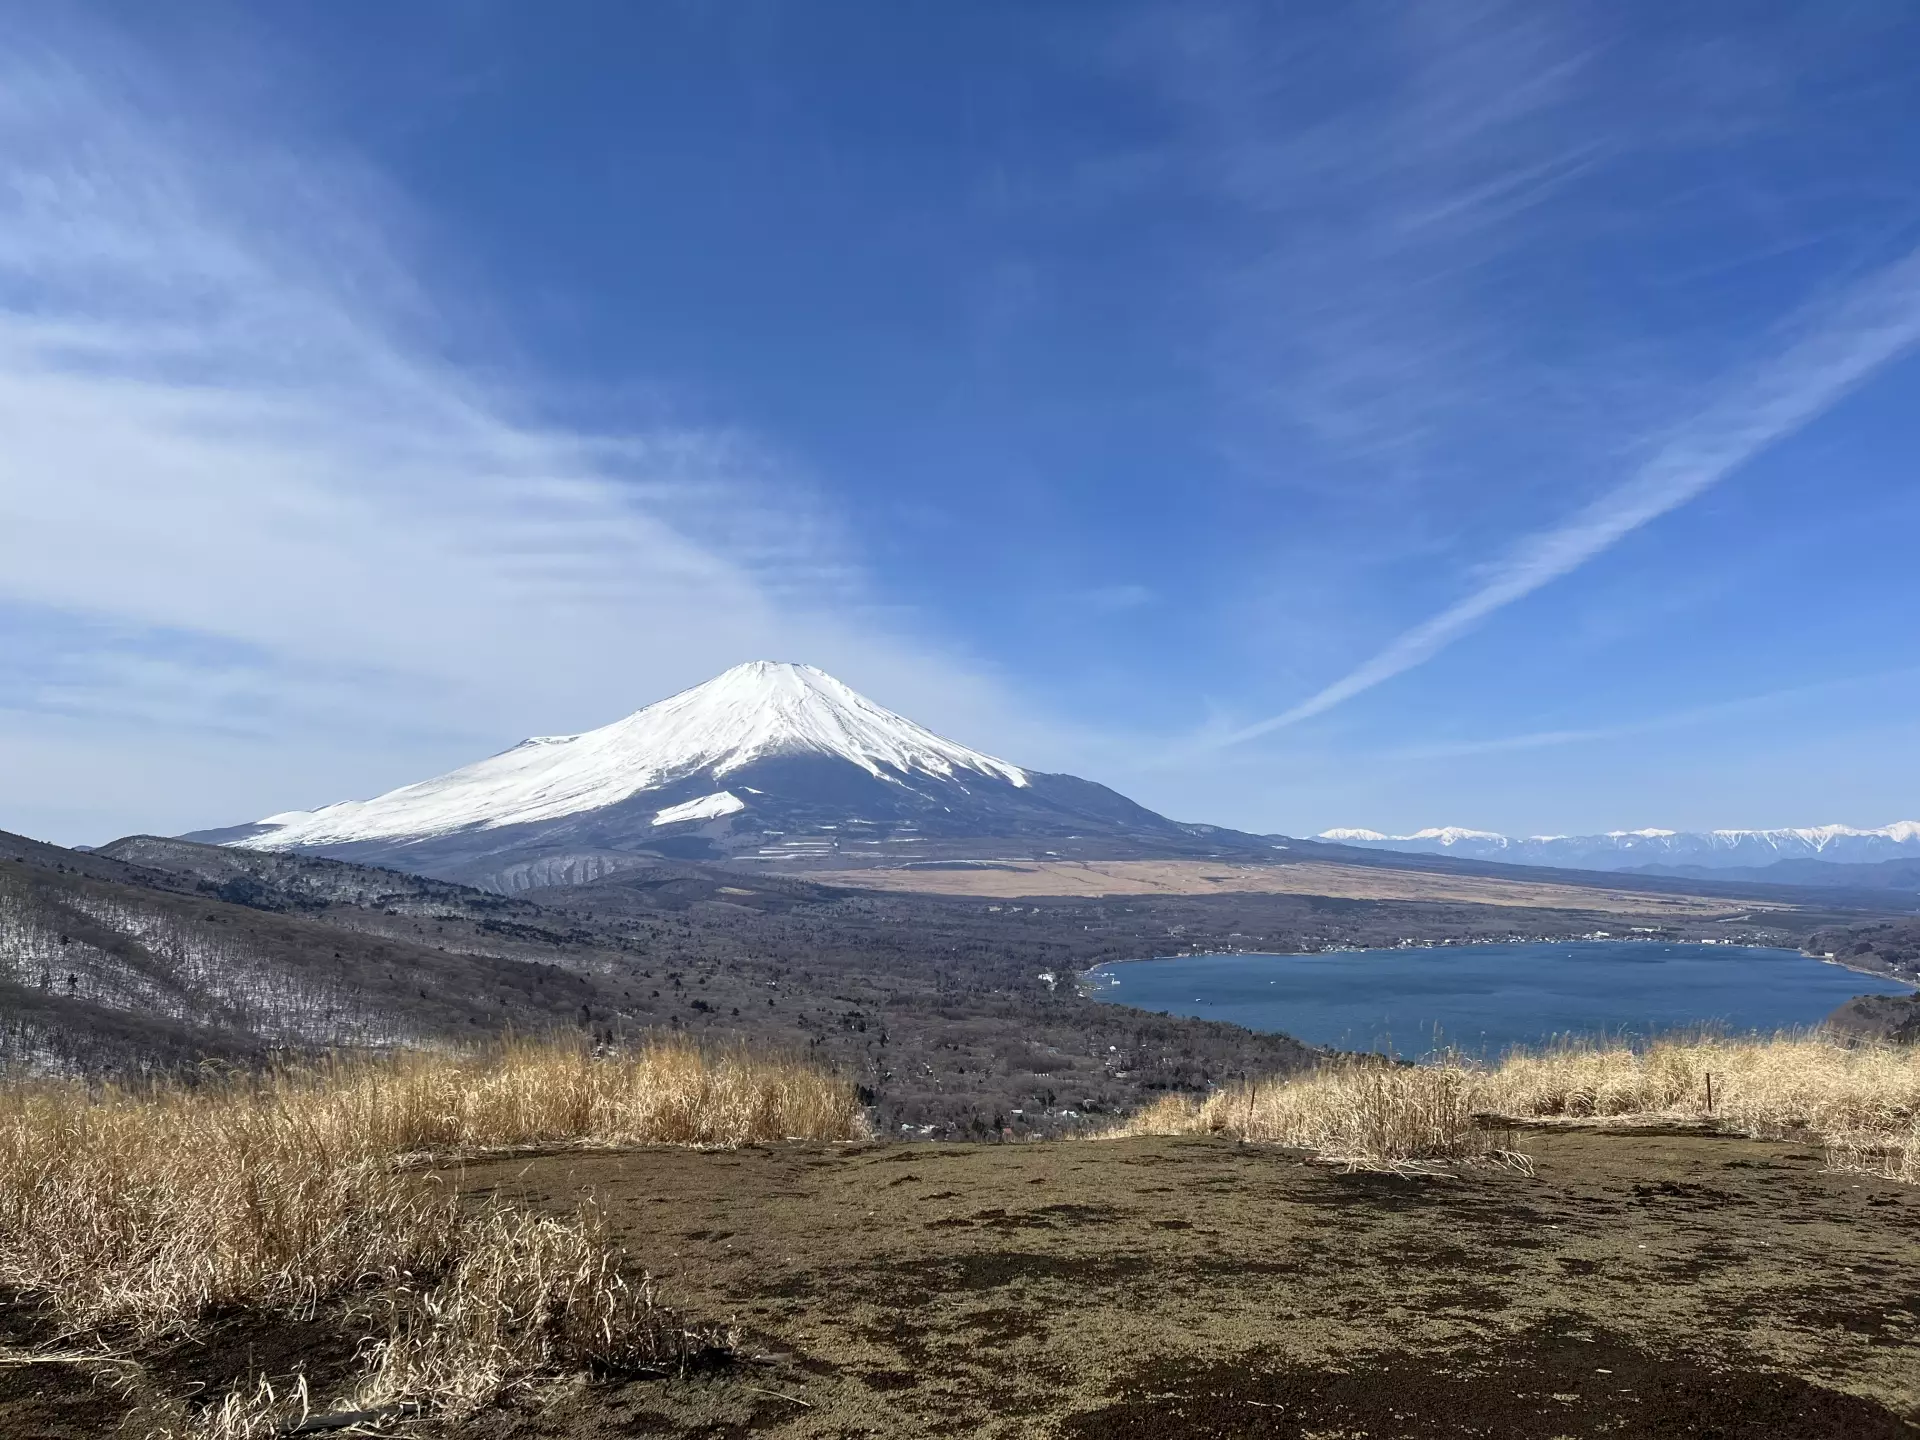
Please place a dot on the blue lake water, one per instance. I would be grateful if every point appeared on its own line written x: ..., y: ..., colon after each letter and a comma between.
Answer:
x: 1488, y: 998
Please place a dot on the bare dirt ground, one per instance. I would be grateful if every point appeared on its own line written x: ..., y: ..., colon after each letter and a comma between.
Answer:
x: 1025, y: 878
x: 1638, y: 1285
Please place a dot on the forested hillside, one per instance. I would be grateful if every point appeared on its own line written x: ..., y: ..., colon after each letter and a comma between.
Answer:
x: 956, y: 1013
x: 107, y: 965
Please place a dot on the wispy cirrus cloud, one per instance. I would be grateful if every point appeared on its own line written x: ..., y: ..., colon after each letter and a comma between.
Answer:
x: 250, y: 495
x: 1380, y: 167
x: 1834, y: 349
x: 1483, y: 309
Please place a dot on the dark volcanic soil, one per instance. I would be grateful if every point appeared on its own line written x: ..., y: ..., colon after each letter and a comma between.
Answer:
x: 1644, y: 1285
x: 1639, y: 1285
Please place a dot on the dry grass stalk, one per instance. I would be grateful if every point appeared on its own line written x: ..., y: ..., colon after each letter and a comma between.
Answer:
x: 1861, y: 1101
x: 525, y: 1296
x: 521, y: 1297
x: 148, y: 1208
x: 1354, y: 1112
x: 138, y: 1212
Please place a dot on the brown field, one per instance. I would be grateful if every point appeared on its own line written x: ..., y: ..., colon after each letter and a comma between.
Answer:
x: 1014, y: 880
x: 1638, y: 1287
x: 1390, y: 1264
x: 139, y: 1226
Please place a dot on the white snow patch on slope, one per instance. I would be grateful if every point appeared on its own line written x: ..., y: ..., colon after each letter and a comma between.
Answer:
x: 1819, y: 837
x: 1443, y: 834
x: 1710, y: 847
x: 750, y: 712
x: 707, y: 807
x: 1454, y: 834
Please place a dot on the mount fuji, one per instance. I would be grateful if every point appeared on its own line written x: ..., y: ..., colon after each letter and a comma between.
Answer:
x: 767, y: 763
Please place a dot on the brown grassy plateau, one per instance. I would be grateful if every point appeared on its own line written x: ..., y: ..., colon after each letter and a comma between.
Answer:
x: 1387, y: 1260
x: 1637, y: 1285
x: 1029, y: 878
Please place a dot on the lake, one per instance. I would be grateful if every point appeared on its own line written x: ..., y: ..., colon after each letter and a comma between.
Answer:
x: 1488, y: 998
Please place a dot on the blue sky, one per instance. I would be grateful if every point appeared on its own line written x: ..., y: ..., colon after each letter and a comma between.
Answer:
x: 1293, y: 415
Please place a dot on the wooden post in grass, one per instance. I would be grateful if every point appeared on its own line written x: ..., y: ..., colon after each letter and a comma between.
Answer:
x: 1709, y: 1092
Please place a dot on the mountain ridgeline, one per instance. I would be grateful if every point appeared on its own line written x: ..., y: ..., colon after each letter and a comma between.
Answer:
x: 680, y: 860
x: 768, y: 764
x: 162, y: 955
x: 1885, y: 857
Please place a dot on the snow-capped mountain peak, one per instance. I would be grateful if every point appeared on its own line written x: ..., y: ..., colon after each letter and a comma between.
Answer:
x: 1455, y: 835
x: 766, y: 707
x: 753, y: 712
x: 1618, y: 849
x: 1438, y: 835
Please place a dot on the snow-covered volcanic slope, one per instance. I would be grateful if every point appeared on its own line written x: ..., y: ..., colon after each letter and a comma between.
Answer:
x: 750, y: 713
x: 769, y: 760
x: 1632, y: 849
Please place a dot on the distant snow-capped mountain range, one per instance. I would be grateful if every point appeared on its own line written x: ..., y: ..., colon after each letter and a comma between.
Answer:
x: 1633, y: 849
x: 782, y: 764
x: 769, y: 761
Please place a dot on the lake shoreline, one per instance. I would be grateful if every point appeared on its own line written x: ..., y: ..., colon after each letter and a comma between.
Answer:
x: 1824, y: 959
x: 1878, y: 974
x: 1492, y: 996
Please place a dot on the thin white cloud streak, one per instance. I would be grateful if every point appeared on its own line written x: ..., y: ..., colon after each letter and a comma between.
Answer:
x: 1679, y: 719
x: 233, y: 451
x: 1366, y: 322
x: 1877, y: 321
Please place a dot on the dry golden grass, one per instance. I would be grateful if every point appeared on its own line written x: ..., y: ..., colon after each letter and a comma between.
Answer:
x: 1031, y: 878
x: 1357, y: 1113
x: 1861, y: 1101
x: 520, y: 1297
x: 135, y: 1213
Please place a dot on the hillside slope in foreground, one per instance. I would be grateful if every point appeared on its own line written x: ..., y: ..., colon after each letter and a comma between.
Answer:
x: 1649, y: 1285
